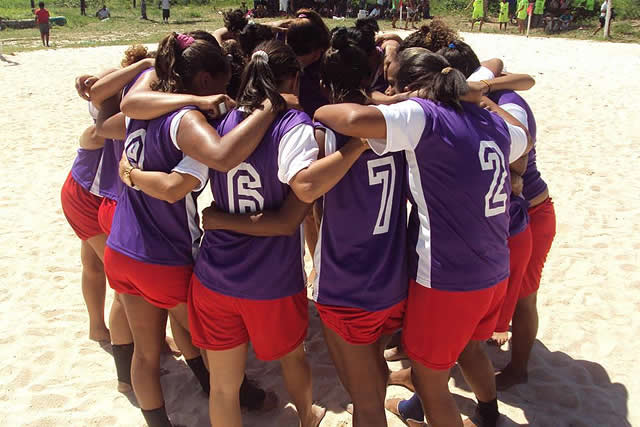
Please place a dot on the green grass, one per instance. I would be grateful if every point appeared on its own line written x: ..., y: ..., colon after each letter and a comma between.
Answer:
x: 124, y: 27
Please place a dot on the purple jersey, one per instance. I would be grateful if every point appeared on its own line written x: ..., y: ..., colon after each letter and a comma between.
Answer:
x: 360, y: 257
x: 518, y: 207
x: 258, y: 268
x: 459, y: 184
x: 110, y: 183
x: 311, y: 92
x: 533, y: 184
x: 86, y: 169
x: 148, y: 229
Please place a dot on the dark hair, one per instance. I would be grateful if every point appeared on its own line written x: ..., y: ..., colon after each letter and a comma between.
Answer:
x: 461, y: 56
x: 261, y: 77
x: 363, y: 37
x: 432, y: 76
x: 368, y: 24
x: 41, y: 4
x: 345, y: 68
x: 237, y: 61
x: 176, y: 67
x: 307, y: 33
x: 431, y: 37
x: 252, y: 35
x: 234, y: 20
x: 203, y: 35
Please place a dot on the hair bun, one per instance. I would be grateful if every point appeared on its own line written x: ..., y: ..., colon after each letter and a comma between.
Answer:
x: 340, y: 38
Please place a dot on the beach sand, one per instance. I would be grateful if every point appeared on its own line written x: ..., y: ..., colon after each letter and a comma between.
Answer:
x: 584, y: 368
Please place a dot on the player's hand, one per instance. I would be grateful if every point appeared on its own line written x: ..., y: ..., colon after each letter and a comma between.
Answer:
x: 209, y: 217
x: 83, y: 85
x: 475, y: 94
x: 517, y: 184
x: 215, y: 106
x: 123, y: 168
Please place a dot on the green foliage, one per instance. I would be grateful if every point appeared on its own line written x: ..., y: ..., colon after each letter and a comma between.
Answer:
x: 629, y: 9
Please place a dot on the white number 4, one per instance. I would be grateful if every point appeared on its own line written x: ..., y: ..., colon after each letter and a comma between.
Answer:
x: 387, y: 177
x: 491, y: 158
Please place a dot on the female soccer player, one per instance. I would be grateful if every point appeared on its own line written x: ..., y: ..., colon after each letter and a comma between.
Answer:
x: 457, y: 156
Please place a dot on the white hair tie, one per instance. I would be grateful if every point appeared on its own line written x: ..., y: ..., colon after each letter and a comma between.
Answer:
x: 260, y: 54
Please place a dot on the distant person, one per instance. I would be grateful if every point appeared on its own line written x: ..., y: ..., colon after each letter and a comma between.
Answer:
x: 103, y: 13
x: 565, y: 20
x: 538, y: 11
x: 411, y: 15
x: 395, y: 12
x: 426, y: 9
x: 166, y: 4
x: 503, y: 17
x: 143, y: 9
x: 521, y: 14
x: 603, y: 18
x: 42, y: 18
x: 477, y: 14
x: 83, y: 7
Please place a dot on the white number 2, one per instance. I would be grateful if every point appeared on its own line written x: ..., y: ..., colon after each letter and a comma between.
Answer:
x: 247, y: 185
x: 491, y: 158
x: 379, y: 174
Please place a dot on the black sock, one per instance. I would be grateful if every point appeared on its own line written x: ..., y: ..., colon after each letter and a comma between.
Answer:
x: 487, y: 413
x: 156, y: 417
x: 200, y: 371
x: 122, y: 355
x: 251, y: 396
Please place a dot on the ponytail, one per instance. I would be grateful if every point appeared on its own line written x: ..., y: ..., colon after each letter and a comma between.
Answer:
x: 461, y: 56
x: 345, y: 68
x: 431, y: 76
x: 181, y: 56
x: 271, y: 63
x: 133, y: 54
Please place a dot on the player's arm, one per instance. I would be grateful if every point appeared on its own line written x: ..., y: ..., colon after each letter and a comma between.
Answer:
x: 199, y: 140
x: 322, y: 175
x: 110, y: 122
x: 513, y: 122
x: 495, y: 65
x: 517, y: 184
x: 279, y: 222
x: 113, y: 83
x: 170, y: 187
x: 519, y: 167
x: 90, y: 140
x: 354, y: 120
x: 510, y: 82
x: 143, y: 103
x: 380, y: 98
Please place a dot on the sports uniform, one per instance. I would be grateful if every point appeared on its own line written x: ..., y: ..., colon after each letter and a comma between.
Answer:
x: 152, y: 246
x: 253, y: 288
x: 458, y: 258
x: 361, y: 283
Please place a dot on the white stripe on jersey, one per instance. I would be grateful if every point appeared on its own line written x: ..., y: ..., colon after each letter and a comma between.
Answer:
x: 423, y: 247
x: 317, y: 261
x: 194, y: 226
x: 95, y: 185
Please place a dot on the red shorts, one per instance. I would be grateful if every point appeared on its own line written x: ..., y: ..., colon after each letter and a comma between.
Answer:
x: 519, y: 255
x: 358, y: 326
x: 542, y: 220
x: 219, y: 322
x: 105, y: 214
x: 80, y: 207
x: 164, y: 286
x: 439, y: 324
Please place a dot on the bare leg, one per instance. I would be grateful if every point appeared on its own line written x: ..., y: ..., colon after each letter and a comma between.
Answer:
x: 361, y: 372
x: 402, y: 378
x: 180, y: 327
x: 146, y: 323
x: 94, y: 287
x: 47, y: 37
x: 480, y: 25
x: 296, y: 373
x: 478, y: 371
x: 226, y: 375
x: 433, y: 388
x: 524, y: 330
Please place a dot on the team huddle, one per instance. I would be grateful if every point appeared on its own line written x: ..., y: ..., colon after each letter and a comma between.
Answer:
x: 411, y: 165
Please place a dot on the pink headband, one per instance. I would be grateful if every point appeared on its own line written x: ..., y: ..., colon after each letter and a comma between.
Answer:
x: 184, y: 41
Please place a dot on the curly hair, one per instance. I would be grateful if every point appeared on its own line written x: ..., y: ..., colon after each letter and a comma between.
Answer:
x: 433, y: 37
x: 133, y: 54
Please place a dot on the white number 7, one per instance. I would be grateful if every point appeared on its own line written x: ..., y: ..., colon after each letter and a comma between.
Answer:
x: 495, y: 201
x: 386, y: 177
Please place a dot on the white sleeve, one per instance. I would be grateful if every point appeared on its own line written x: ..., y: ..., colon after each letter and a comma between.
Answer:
x: 330, y: 142
x: 518, y: 142
x: 297, y: 150
x: 194, y: 168
x: 175, y: 124
x: 482, y: 73
x: 518, y: 113
x: 405, y: 124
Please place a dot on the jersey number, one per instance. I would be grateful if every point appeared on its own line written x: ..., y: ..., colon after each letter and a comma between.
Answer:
x: 491, y: 158
x: 134, y: 147
x: 383, y: 171
x: 247, y: 182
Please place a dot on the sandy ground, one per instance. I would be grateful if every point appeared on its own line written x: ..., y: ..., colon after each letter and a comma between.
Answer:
x: 584, y: 366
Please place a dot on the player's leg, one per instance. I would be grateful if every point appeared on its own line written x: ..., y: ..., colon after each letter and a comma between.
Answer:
x: 227, y: 373
x: 121, y: 343
x: 363, y: 373
x: 94, y: 286
x: 479, y: 375
x: 146, y: 323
